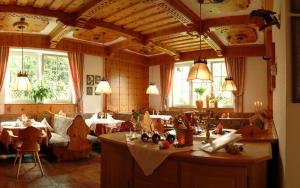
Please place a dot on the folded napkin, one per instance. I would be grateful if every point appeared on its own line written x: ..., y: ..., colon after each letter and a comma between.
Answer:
x: 148, y: 155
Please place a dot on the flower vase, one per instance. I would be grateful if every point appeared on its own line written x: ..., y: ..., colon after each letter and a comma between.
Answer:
x: 216, y: 103
x: 199, y: 104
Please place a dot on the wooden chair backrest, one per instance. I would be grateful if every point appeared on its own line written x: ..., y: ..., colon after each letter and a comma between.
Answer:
x: 159, y: 125
x: 100, y: 129
x: 30, y: 137
x: 78, y: 132
x: 126, y: 126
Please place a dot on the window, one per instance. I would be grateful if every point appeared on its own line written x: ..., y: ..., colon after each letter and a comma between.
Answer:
x: 183, y: 91
x: 51, y: 68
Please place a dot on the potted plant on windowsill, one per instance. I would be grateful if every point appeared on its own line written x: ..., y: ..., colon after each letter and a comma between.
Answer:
x: 199, y: 102
x: 41, y: 92
x: 216, y: 99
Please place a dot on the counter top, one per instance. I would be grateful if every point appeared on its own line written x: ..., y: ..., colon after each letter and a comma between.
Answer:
x: 253, y: 152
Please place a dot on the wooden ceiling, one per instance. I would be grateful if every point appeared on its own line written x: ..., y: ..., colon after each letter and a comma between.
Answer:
x: 147, y: 27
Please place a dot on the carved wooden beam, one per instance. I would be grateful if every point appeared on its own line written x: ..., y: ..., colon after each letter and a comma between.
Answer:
x: 231, y: 20
x: 214, y: 42
x: 119, y: 46
x: 232, y: 51
x: 159, y: 46
x: 58, y: 33
x: 114, y: 28
x: 90, y: 10
x: 170, y: 31
x: 62, y: 16
x: 180, y: 12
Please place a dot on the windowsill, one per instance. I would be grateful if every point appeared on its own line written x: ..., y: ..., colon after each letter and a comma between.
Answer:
x: 28, y: 103
x: 186, y: 108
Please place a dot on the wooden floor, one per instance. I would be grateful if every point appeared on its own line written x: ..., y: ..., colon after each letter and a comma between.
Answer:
x: 76, y: 174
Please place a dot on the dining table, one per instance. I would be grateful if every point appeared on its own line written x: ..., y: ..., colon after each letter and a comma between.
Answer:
x: 103, y: 125
x: 17, y: 126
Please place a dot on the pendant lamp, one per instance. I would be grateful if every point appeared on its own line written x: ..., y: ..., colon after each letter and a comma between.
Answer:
x: 200, y: 70
x: 152, y: 89
x: 229, y: 85
x: 22, y: 82
x: 103, y: 87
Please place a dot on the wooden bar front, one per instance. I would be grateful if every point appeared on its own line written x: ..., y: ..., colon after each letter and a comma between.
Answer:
x: 185, y: 169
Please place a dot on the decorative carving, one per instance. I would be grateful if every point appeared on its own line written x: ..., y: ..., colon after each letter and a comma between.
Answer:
x: 58, y: 33
x: 238, y: 34
x: 166, y: 7
x: 35, y: 23
x: 95, y: 35
x: 92, y: 11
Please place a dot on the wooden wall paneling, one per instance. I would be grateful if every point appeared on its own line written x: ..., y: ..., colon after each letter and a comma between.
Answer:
x: 128, y: 75
x: 43, y: 42
x: 38, y: 108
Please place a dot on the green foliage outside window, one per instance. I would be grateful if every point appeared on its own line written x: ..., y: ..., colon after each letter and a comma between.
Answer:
x: 52, y: 69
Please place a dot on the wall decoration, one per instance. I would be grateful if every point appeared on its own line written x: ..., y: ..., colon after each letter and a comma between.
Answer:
x: 89, y: 90
x: 90, y: 80
x: 295, y: 59
x: 97, y: 79
x: 295, y: 6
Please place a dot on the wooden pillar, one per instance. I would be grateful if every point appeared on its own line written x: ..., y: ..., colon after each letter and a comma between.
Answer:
x: 270, y: 57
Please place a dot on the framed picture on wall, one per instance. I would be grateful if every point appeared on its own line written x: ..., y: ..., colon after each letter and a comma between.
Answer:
x: 90, y: 80
x: 295, y: 30
x: 295, y: 6
x: 89, y: 90
x: 97, y: 79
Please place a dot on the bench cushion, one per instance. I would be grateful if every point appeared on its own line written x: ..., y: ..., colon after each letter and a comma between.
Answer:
x: 93, y: 139
x: 57, y: 140
x: 61, y: 125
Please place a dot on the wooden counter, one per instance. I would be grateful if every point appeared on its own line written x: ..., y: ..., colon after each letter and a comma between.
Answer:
x: 185, y: 169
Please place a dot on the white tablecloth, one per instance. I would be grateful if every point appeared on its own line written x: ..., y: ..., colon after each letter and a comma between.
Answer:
x: 163, y: 117
x: 19, y: 125
x: 112, y: 123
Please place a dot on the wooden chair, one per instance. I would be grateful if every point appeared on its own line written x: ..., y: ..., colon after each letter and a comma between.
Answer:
x: 126, y: 126
x: 28, y: 142
x: 100, y: 129
x: 78, y: 146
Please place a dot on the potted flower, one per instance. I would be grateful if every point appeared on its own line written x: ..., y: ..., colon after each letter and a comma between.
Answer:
x: 199, y: 102
x: 41, y: 92
x: 215, y: 100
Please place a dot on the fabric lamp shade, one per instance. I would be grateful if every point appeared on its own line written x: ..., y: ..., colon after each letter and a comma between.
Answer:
x: 22, y: 83
x: 229, y: 85
x: 200, y: 72
x: 152, y: 89
x: 103, y: 87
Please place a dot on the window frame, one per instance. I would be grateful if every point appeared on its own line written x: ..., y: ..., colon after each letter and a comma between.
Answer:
x: 191, y: 103
x: 40, y: 74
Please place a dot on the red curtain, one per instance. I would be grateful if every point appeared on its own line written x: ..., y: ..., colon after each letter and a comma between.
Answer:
x: 236, y: 69
x: 166, y: 79
x: 4, y: 52
x: 76, y: 67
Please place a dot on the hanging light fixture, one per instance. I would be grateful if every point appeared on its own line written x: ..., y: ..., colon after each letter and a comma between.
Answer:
x: 229, y: 84
x: 22, y: 82
x: 103, y: 87
x: 200, y: 70
x: 152, y: 89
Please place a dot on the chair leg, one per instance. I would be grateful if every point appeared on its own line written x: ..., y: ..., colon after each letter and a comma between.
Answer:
x: 39, y: 162
x: 16, y: 158
x: 19, y: 166
x: 34, y: 157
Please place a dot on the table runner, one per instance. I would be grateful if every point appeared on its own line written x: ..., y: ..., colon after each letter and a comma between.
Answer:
x: 148, y: 155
